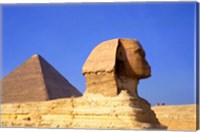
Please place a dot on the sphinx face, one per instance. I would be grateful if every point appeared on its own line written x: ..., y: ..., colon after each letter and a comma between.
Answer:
x: 135, y: 63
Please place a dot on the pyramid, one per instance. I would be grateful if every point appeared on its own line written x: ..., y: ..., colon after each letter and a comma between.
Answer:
x: 36, y: 80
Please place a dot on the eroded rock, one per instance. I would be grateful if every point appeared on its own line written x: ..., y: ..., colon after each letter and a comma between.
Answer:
x: 116, y: 65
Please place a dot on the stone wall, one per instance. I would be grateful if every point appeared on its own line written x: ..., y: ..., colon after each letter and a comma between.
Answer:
x: 88, y: 111
x: 97, y: 111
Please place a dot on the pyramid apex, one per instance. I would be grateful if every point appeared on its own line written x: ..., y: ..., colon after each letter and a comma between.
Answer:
x: 35, y: 55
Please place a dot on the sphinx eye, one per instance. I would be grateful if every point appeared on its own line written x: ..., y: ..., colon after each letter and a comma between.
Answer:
x: 140, y: 52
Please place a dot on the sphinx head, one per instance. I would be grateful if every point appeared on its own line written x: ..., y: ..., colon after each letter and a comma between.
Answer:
x: 131, y: 60
x: 116, y: 65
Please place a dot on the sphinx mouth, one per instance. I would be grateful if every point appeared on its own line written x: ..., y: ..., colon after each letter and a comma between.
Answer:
x: 145, y: 68
x: 143, y: 72
x: 145, y: 76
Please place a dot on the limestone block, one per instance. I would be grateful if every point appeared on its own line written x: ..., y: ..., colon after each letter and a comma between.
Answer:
x: 105, y: 85
x: 89, y: 111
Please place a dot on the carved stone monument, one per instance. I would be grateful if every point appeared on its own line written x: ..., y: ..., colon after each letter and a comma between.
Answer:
x: 113, y: 69
x: 116, y: 65
x: 111, y: 101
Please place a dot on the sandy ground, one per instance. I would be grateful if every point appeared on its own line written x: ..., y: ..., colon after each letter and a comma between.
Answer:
x: 177, y: 117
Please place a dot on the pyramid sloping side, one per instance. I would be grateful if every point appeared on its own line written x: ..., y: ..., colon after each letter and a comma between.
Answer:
x: 57, y: 86
x: 24, y: 84
x: 102, y: 57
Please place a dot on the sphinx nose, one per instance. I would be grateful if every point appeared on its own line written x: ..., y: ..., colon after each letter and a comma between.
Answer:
x: 146, y: 63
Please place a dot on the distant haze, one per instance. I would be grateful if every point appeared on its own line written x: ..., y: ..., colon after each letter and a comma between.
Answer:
x: 65, y: 34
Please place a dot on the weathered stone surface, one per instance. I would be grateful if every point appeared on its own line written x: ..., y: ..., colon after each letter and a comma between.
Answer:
x: 97, y: 111
x: 105, y: 85
x: 89, y: 111
x: 35, y: 80
x: 115, y: 65
x: 102, y: 58
x: 99, y: 69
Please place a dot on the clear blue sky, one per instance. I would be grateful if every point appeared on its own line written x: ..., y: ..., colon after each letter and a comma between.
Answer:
x: 66, y: 34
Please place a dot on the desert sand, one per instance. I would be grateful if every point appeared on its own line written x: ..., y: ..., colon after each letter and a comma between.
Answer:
x: 177, y: 117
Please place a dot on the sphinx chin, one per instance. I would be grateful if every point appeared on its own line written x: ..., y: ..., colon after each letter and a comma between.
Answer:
x: 142, y: 73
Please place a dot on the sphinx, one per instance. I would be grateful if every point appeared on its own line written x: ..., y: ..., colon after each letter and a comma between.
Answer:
x: 116, y: 65
x: 111, y: 101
